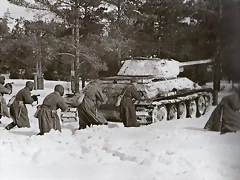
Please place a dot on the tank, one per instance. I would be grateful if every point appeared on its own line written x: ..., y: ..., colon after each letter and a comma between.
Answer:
x: 165, y: 96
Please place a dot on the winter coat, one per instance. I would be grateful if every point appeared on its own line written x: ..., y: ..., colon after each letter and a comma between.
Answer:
x: 18, y: 109
x: 88, y: 111
x: 226, y: 115
x: 47, y: 112
x: 127, y: 107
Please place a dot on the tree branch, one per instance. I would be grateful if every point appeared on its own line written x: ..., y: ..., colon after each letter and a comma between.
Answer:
x: 69, y: 54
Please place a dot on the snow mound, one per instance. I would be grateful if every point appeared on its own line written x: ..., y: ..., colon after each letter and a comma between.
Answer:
x: 178, y: 149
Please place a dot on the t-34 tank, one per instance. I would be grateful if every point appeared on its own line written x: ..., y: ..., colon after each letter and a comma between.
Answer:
x: 165, y: 96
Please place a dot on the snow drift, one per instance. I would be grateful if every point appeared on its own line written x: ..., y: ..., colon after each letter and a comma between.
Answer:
x: 178, y: 149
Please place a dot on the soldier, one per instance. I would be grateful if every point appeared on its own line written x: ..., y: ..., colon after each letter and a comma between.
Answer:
x: 18, y: 109
x: 88, y: 109
x: 226, y: 116
x: 7, y: 89
x: 127, y: 107
x: 47, y: 112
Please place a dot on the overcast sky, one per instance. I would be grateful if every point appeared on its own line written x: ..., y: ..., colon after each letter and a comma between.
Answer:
x: 15, y: 11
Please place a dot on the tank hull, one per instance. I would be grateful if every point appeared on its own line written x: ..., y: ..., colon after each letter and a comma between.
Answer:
x: 144, y: 108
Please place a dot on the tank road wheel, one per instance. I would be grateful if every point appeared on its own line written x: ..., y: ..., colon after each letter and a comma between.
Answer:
x: 159, y: 114
x: 172, y: 112
x: 201, y: 105
x: 192, y: 109
x: 182, y: 110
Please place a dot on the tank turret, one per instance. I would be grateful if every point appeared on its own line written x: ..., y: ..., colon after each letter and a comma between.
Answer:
x: 155, y: 67
x: 150, y: 67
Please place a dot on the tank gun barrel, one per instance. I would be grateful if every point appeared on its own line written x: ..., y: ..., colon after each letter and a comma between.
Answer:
x: 190, y: 63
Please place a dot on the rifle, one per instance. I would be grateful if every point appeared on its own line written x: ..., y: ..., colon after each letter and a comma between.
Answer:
x: 9, y: 86
x: 35, y: 98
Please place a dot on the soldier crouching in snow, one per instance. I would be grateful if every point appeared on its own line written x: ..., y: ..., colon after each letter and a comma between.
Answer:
x: 7, y: 89
x: 127, y: 107
x: 226, y: 116
x: 88, y: 109
x: 47, y: 112
x: 18, y: 109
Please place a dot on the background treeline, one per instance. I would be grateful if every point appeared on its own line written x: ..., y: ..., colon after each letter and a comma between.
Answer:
x: 113, y: 30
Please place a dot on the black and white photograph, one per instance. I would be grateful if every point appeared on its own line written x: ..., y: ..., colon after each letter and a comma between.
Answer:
x: 119, y: 89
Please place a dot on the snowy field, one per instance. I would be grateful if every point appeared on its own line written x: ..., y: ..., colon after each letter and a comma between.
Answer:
x: 173, y: 150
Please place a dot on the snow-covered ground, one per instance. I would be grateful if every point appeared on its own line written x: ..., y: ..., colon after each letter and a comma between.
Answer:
x: 178, y: 149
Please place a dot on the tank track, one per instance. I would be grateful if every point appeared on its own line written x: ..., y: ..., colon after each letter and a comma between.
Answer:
x: 170, y: 103
x: 193, y: 105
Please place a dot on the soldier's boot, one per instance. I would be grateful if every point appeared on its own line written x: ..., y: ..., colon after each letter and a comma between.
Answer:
x: 207, y: 127
x: 137, y: 124
x: 40, y: 134
x: 10, y: 126
x: 127, y: 123
x: 105, y: 123
x: 133, y: 124
x: 225, y: 130
x: 82, y: 127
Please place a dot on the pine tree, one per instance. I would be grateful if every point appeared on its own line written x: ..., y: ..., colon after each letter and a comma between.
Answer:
x: 77, y: 14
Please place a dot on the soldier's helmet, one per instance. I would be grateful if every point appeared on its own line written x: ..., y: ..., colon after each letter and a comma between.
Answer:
x: 2, y: 80
x: 59, y: 88
x: 30, y: 85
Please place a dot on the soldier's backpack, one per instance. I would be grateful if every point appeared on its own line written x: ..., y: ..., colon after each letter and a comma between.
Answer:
x: 120, y: 97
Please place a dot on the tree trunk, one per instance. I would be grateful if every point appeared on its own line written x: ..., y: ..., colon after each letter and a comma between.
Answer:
x: 216, y: 83
x: 119, y: 57
x: 77, y: 55
x: 118, y: 12
x: 217, y: 66
x: 217, y: 72
x: 83, y: 76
